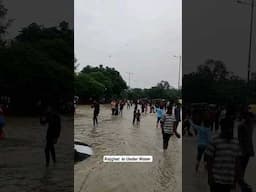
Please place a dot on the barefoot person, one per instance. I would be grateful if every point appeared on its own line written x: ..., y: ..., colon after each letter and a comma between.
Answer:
x: 52, y: 118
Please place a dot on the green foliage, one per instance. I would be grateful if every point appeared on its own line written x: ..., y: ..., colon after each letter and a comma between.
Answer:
x: 157, y: 92
x: 87, y: 87
x: 104, y: 82
x: 212, y: 83
x: 99, y: 82
x: 4, y: 23
x: 38, y: 65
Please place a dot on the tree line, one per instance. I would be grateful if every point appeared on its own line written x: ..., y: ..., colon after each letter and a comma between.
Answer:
x: 105, y: 83
x: 98, y: 83
x: 36, y: 65
x: 213, y: 83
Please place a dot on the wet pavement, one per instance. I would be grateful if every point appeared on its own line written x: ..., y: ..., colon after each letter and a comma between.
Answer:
x: 115, y: 135
x: 22, y: 161
x: 192, y: 182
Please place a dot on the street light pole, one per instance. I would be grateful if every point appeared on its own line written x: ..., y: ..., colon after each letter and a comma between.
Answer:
x: 250, y: 41
x: 179, y: 57
x: 129, y: 78
x: 179, y: 71
x: 252, y: 4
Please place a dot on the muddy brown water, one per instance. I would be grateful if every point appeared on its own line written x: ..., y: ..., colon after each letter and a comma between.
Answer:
x: 117, y: 136
x: 198, y: 182
x: 22, y: 161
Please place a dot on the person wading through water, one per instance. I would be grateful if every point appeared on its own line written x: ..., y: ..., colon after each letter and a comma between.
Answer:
x: 52, y: 118
x: 167, y: 125
x: 96, y: 111
x: 223, y: 177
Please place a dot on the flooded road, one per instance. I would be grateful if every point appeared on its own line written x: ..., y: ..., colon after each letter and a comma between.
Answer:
x: 198, y: 182
x: 22, y: 160
x: 117, y: 136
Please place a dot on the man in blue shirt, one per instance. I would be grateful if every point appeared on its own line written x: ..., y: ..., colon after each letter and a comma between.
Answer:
x: 160, y: 113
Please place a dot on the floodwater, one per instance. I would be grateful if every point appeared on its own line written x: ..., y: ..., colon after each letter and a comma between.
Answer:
x: 198, y: 182
x: 22, y: 160
x: 115, y: 135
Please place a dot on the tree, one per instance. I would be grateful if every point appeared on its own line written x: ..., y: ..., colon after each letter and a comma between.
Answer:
x: 38, y: 65
x: 112, y: 83
x: 212, y: 83
x: 161, y: 91
x: 4, y: 24
x: 164, y: 85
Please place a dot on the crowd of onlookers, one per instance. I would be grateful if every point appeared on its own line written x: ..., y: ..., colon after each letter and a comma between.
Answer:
x: 226, y: 156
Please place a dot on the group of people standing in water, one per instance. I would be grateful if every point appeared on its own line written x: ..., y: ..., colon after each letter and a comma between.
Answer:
x: 168, y: 114
x: 168, y: 117
x: 225, y: 154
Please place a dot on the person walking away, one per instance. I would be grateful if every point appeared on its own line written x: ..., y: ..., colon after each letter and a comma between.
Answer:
x: 2, y: 124
x: 150, y: 105
x: 116, y: 108
x: 134, y: 113
x: 146, y: 107
x: 159, y: 113
x: 222, y: 155
x: 52, y: 118
x: 168, y: 104
x: 138, y: 114
x: 96, y: 111
x: 167, y: 125
x: 113, y: 106
x: 121, y: 107
x: 185, y: 122
x: 128, y: 104
x: 245, y: 137
x: 142, y: 107
x: 177, y: 117
x: 204, y: 136
x: 76, y: 98
x: 134, y: 116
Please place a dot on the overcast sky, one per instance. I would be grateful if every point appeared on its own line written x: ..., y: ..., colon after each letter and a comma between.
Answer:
x: 141, y: 36
x: 217, y: 29
x: 47, y: 12
x: 137, y: 36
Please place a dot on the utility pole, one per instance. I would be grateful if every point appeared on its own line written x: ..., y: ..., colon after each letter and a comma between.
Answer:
x: 179, y: 84
x: 179, y: 57
x: 250, y: 42
x: 252, y: 4
x: 129, y: 78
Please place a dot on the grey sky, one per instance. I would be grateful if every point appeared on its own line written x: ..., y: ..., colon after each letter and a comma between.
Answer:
x: 138, y: 36
x: 217, y: 29
x: 43, y: 12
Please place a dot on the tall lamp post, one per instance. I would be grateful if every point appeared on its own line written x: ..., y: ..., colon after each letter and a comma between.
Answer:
x: 252, y: 5
x: 178, y: 57
x: 129, y: 78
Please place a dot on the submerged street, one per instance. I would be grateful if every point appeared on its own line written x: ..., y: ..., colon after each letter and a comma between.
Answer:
x: 115, y: 135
